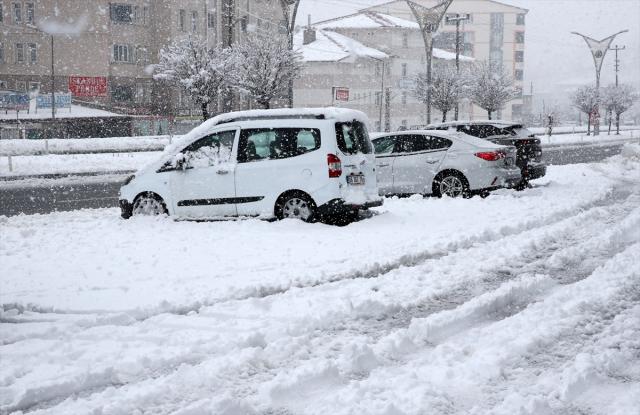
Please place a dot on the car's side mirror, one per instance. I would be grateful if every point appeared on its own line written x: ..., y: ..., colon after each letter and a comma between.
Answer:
x: 180, y: 161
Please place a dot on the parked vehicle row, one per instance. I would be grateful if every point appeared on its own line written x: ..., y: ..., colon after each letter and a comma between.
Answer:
x: 310, y: 163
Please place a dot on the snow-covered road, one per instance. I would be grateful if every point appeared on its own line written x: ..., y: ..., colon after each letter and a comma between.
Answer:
x: 521, y: 303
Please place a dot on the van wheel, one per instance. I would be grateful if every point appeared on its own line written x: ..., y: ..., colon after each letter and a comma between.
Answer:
x: 452, y: 184
x: 295, y: 205
x: 149, y: 204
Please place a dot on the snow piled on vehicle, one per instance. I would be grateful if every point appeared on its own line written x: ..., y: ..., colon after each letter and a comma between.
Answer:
x: 521, y: 303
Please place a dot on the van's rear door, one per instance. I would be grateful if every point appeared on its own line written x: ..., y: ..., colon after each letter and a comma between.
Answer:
x: 358, y: 178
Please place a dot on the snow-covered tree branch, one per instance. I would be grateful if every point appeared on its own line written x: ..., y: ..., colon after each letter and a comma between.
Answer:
x: 585, y: 99
x: 446, y: 90
x: 263, y: 67
x: 199, y: 70
x: 490, y: 87
x: 617, y: 99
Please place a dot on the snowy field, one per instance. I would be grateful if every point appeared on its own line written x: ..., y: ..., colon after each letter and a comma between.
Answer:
x: 24, y: 164
x: 521, y: 303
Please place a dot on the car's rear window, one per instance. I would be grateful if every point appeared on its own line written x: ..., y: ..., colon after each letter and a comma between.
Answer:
x: 353, y: 138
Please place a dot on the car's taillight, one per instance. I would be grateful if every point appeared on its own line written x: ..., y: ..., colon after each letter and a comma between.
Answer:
x: 335, y: 165
x: 491, y: 155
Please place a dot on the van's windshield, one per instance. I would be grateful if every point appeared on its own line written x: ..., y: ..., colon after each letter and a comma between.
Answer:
x: 353, y: 137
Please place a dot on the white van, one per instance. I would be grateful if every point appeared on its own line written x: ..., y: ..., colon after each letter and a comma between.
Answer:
x: 282, y: 163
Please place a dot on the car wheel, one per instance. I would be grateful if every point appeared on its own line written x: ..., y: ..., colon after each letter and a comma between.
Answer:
x: 295, y: 205
x: 149, y: 204
x: 451, y: 184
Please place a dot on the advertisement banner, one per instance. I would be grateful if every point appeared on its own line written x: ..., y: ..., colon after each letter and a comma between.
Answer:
x: 88, y: 86
x: 16, y: 101
x: 341, y: 94
x: 62, y: 101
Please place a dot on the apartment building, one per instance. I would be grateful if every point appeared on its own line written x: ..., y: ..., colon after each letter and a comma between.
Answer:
x: 494, y: 32
x: 375, y: 57
x: 103, y: 51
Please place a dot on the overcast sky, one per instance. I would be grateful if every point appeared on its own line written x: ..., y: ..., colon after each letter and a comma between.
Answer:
x: 556, y: 60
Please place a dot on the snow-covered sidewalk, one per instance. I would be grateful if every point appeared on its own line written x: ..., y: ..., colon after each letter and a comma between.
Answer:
x: 521, y: 303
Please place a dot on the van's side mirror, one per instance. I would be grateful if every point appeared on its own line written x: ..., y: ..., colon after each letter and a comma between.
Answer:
x: 180, y: 161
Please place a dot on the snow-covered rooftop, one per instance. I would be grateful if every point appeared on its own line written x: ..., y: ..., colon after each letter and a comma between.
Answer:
x: 367, y: 20
x: 333, y: 47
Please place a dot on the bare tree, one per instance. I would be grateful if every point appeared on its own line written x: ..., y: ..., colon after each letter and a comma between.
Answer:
x: 585, y: 99
x: 199, y: 70
x: 491, y: 87
x: 263, y: 67
x: 446, y: 89
x: 618, y: 99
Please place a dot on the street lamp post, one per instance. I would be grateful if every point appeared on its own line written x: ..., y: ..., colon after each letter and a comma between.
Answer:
x: 428, y: 19
x: 289, y: 12
x: 598, y: 50
x: 457, y: 19
x: 53, y: 84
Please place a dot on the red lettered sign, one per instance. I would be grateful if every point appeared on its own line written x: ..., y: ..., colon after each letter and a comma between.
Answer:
x: 342, y: 94
x: 88, y: 86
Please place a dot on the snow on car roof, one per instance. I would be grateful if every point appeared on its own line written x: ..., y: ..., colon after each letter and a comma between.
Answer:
x: 477, y: 122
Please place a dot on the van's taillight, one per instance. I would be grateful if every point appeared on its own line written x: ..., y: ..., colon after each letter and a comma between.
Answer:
x: 335, y: 165
x: 491, y: 155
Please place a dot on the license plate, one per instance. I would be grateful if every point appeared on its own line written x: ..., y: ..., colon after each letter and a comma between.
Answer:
x: 357, y: 179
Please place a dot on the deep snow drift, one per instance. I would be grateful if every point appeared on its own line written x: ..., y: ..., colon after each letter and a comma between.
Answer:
x: 521, y: 303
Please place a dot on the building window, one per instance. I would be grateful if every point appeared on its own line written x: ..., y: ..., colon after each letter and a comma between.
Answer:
x: 182, y: 17
x: 29, y: 13
x: 3, y: 85
x: 122, y: 53
x: 19, y: 52
x: 519, y: 37
x: 17, y: 13
x: 34, y: 86
x: 404, y: 98
x: 405, y: 40
x: 122, y: 93
x: 403, y: 125
x: 142, y: 55
x: 378, y: 98
x: 33, y: 53
x: 121, y: 13
x: 21, y: 86
x: 519, y: 56
x: 1, y: 53
x: 244, y: 21
x: 519, y: 74
x: 211, y: 20
x: 520, y: 19
x: 194, y: 22
x: 1, y: 14
x: 404, y: 70
x: 449, y: 16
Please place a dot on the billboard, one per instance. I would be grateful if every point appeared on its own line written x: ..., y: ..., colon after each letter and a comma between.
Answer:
x: 88, y: 86
x: 16, y: 101
x: 62, y: 100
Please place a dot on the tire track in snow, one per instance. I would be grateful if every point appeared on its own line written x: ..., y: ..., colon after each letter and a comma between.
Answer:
x: 452, y: 299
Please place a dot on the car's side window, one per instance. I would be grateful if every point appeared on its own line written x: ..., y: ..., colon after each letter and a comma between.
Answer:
x: 384, y: 145
x: 276, y: 143
x: 421, y: 143
x: 210, y: 151
x: 439, y: 143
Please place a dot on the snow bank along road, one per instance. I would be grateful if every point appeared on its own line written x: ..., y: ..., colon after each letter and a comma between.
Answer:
x: 46, y: 195
x: 521, y: 303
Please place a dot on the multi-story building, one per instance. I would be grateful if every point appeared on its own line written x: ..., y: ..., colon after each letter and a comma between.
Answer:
x: 380, y: 87
x: 494, y: 32
x: 115, y: 43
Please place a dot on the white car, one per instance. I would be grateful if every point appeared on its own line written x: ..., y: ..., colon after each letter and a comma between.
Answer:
x: 284, y: 163
x: 442, y: 163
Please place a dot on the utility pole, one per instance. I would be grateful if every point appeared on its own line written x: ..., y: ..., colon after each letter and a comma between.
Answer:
x: 381, y: 95
x: 617, y: 64
x: 53, y: 84
x: 457, y: 19
x: 289, y: 12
